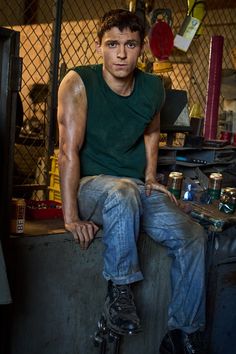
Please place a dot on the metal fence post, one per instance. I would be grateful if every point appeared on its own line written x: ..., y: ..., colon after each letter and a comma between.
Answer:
x: 53, y: 83
x: 54, y: 72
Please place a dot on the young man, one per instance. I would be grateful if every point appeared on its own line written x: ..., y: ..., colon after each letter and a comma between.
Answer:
x: 109, y: 127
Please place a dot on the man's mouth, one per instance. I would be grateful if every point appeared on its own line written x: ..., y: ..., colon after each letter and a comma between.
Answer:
x: 120, y: 65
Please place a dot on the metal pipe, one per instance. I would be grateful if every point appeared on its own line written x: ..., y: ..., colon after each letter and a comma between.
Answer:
x: 213, y: 88
x: 56, y: 35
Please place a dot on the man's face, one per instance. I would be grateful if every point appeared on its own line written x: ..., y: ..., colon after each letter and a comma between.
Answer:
x: 120, y: 52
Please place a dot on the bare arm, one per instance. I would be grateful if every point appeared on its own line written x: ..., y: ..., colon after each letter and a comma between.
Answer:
x: 151, y: 140
x: 72, y: 116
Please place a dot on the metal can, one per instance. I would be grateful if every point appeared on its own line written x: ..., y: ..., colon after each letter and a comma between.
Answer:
x: 214, y: 186
x: 174, y: 184
x: 228, y: 200
x: 17, y: 216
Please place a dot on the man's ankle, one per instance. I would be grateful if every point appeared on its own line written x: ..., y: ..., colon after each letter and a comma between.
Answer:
x: 120, y: 311
x: 179, y: 342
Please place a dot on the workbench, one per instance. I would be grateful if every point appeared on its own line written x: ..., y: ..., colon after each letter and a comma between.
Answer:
x: 58, y: 290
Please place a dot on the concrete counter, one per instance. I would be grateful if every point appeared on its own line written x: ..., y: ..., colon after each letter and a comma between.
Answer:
x: 58, y: 293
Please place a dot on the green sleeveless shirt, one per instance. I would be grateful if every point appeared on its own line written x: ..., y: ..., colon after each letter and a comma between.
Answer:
x: 114, y: 142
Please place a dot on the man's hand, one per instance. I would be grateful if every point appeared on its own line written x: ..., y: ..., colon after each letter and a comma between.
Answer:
x: 151, y: 185
x: 83, y: 232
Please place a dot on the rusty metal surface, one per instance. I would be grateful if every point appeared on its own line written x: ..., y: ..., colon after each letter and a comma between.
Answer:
x: 210, y: 215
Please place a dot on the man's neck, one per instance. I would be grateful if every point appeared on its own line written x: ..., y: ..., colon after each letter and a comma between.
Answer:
x: 121, y: 86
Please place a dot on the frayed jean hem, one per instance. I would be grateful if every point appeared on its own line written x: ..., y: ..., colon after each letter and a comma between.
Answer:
x: 128, y: 279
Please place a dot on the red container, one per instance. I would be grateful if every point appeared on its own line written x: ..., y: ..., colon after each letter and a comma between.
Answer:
x: 234, y: 139
x: 161, y: 40
x: 44, y: 209
x: 224, y: 135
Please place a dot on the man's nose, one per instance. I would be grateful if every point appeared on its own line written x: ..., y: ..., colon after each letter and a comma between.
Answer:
x: 121, y: 52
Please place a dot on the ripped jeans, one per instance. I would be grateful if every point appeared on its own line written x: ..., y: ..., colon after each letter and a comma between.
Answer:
x: 121, y: 206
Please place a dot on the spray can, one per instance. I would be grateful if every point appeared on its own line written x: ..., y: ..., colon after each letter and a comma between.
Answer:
x: 17, y: 216
x: 214, y: 186
x: 228, y: 200
x: 174, y: 184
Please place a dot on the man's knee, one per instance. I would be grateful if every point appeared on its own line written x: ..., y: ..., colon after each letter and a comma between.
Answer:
x: 198, y: 232
x: 197, y: 237
x: 125, y: 189
x: 190, y: 234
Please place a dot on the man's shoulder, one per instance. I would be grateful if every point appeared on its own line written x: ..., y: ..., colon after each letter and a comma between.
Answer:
x: 151, y: 83
x: 89, y: 74
x: 87, y: 69
x: 151, y: 88
x: 150, y: 77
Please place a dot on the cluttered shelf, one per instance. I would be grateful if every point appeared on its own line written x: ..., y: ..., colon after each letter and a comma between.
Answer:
x: 210, y: 215
x: 197, y: 157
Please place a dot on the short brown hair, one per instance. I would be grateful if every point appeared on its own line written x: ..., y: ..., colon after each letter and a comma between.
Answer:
x: 121, y: 19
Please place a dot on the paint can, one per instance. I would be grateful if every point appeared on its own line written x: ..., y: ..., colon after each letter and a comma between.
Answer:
x: 214, y: 186
x: 17, y: 216
x: 228, y: 200
x: 174, y: 184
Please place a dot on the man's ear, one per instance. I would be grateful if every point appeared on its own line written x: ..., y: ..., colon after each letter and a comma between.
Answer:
x: 98, y: 46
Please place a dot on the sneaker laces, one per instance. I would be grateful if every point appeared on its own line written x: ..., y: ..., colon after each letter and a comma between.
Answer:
x: 125, y: 299
x: 120, y: 311
x: 189, y: 347
x: 193, y: 343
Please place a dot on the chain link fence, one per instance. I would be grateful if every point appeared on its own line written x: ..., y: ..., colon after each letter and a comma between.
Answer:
x: 38, y: 24
x: 35, y: 25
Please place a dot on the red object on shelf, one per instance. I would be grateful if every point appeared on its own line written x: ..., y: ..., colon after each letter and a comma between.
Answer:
x: 161, y: 40
x: 234, y: 139
x: 225, y: 135
x: 44, y: 209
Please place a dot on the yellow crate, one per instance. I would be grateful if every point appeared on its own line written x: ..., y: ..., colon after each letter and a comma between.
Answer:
x: 54, y: 181
x: 54, y: 165
x: 54, y: 195
x: 54, y: 188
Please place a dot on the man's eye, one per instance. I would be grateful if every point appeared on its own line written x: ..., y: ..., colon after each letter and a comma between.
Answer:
x: 112, y: 44
x: 131, y: 45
